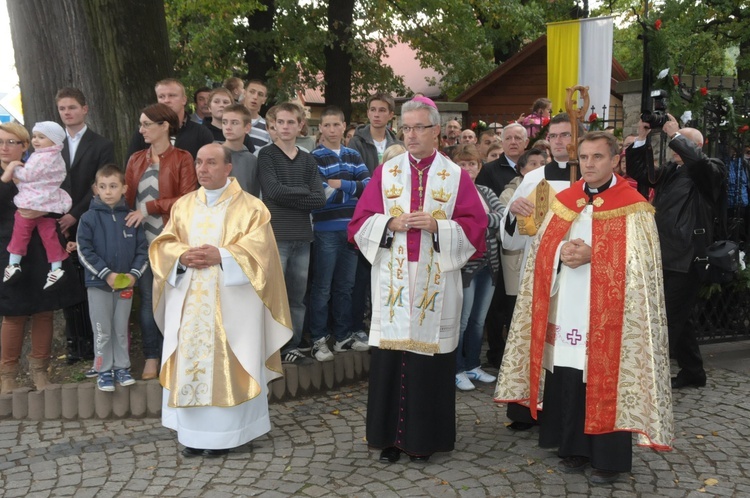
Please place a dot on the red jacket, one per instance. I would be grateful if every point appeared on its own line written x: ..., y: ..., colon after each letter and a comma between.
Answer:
x: 176, y: 178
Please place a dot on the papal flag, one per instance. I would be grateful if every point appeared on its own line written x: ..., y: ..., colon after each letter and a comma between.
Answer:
x: 580, y: 53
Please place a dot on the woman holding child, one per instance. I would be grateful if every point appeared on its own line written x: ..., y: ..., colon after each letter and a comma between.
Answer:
x: 156, y: 177
x: 23, y: 298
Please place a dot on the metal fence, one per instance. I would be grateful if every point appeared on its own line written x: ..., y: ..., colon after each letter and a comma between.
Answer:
x: 607, y: 117
x: 723, y: 316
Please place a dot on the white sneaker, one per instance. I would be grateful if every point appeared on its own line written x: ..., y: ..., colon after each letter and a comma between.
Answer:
x: 53, y: 277
x: 12, y: 272
x: 320, y: 350
x: 480, y: 375
x: 354, y: 342
x: 463, y: 383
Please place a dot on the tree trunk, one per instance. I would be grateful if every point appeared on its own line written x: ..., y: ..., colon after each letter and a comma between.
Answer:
x: 338, y: 68
x: 260, y: 51
x: 112, y: 51
x: 743, y: 74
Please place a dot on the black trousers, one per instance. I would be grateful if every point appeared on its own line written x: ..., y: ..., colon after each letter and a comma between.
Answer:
x: 562, y: 423
x: 78, y: 332
x: 680, y: 293
x: 497, y: 319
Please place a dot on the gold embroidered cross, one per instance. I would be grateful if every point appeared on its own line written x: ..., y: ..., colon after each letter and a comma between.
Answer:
x: 195, y: 371
x: 444, y: 174
x: 394, y: 170
x: 199, y: 290
x: 204, y: 226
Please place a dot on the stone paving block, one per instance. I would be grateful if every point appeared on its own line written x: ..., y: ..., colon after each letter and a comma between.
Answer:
x: 153, y: 398
x: 103, y: 403
x: 137, y: 394
x: 6, y: 405
x: 52, y: 401
x: 291, y: 378
x: 21, y: 402
x: 121, y: 401
x: 338, y: 368
x: 86, y: 407
x: 278, y: 388
x: 328, y: 374
x: 316, y: 375
x: 36, y: 405
x: 69, y: 401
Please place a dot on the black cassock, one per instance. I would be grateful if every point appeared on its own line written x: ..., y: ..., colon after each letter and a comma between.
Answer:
x: 411, y: 402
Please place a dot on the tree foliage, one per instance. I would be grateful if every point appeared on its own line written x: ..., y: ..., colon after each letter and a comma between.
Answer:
x: 463, y: 40
x: 700, y: 35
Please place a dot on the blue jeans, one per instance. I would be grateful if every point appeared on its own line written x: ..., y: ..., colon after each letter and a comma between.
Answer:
x: 477, y: 300
x: 295, y: 261
x: 152, y: 337
x: 334, y: 268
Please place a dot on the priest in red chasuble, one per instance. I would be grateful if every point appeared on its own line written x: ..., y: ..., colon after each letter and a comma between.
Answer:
x: 588, y: 339
x: 418, y: 221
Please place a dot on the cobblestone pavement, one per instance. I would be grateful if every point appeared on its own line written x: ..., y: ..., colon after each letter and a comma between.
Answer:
x: 317, y: 448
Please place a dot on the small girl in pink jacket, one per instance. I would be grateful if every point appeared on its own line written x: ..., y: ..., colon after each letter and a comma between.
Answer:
x: 39, y: 189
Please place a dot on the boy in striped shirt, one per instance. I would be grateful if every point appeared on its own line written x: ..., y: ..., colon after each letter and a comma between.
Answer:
x: 334, y: 260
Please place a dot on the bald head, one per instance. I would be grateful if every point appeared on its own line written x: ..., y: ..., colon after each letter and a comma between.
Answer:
x: 693, y: 135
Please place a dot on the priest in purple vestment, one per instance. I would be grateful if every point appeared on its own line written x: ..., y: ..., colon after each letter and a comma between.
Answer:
x: 418, y: 221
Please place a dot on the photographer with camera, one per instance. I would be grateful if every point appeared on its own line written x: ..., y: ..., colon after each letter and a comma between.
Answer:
x: 688, y: 190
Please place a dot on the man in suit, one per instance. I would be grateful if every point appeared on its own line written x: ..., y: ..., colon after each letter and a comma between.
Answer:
x: 496, y: 175
x: 84, y: 152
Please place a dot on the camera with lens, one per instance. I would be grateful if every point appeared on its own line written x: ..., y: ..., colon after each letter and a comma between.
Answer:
x: 656, y: 117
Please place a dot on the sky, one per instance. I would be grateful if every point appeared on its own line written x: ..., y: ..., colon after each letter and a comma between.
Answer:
x: 8, y: 76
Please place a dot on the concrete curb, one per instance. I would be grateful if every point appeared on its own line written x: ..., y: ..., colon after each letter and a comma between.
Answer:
x: 143, y: 399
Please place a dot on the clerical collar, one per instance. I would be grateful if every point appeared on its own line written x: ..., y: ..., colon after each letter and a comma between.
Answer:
x: 423, y: 163
x: 561, y: 164
x: 213, y: 195
x: 591, y: 191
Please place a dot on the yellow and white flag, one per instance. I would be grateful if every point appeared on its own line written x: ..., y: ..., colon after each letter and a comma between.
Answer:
x: 579, y: 52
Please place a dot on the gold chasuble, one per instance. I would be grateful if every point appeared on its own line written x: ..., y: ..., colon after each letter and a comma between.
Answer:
x: 627, y: 360
x: 221, y: 339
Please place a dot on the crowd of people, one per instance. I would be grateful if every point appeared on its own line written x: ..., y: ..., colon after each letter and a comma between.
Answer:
x: 251, y: 244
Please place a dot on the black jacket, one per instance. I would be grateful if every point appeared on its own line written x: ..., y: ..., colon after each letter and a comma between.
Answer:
x: 686, y: 197
x: 362, y: 142
x: 497, y: 174
x: 92, y: 153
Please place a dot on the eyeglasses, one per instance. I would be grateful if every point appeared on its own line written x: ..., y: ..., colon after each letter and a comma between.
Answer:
x: 11, y: 142
x: 417, y: 128
x: 554, y: 136
x: 147, y: 124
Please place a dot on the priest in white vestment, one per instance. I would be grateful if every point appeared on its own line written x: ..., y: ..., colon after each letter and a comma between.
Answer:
x: 221, y: 303
x: 526, y: 210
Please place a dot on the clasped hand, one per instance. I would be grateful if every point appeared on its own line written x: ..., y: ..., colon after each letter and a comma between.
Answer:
x: 418, y: 220
x: 575, y: 253
x: 201, y: 257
